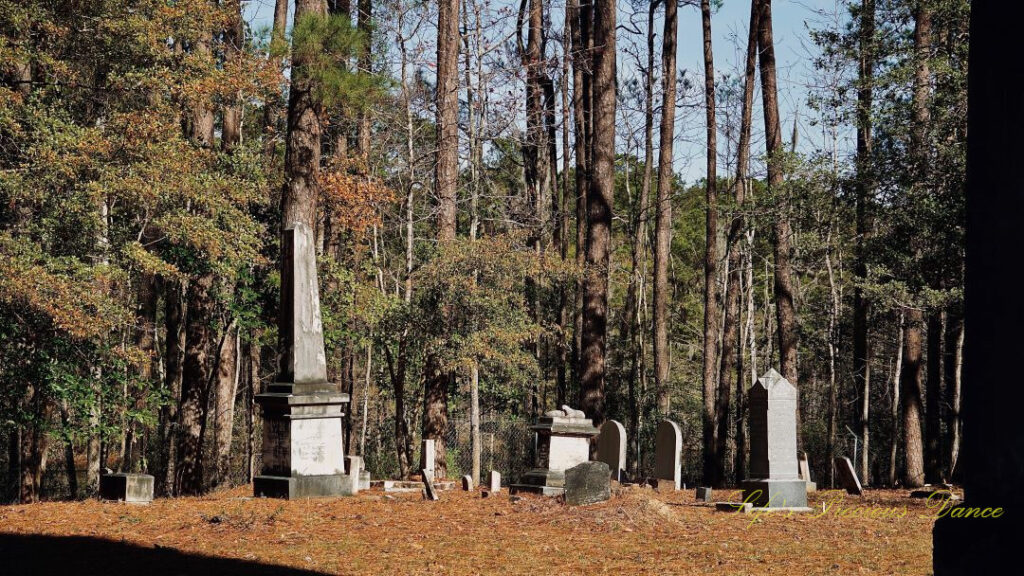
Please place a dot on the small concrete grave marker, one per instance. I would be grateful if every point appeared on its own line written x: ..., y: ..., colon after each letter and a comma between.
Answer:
x: 668, y: 445
x: 847, y: 476
x: 429, y: 493
x: 805, y: 473
x: 494, y: 481
x: 611, y: 448
x: 704, y: 494
x: 429, y: 452
x: 587, y: 483
x: 467, y: 482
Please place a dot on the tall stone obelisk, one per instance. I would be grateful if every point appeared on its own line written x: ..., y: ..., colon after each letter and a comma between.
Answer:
x: 303, y: 443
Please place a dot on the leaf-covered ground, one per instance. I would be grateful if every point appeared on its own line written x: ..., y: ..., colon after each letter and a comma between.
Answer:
x: 639, y: 531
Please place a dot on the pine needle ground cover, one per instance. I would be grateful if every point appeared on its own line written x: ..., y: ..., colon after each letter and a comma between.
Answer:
x: 638, y: 531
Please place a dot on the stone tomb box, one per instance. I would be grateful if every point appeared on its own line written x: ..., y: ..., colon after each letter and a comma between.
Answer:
x: 562, y: 442
x: 130, y: 488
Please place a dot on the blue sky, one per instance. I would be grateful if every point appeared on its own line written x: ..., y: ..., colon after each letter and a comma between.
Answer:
x: 729, y: 24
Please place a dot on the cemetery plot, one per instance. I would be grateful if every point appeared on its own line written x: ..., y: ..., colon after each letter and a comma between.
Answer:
x: 638, y: 531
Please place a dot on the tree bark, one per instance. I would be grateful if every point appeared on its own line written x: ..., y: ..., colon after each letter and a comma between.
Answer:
x: 953, y: 365
x: 274, y: 104
x: 716, y: 398
x: 894, y: 407
x: 579, y: 21
x: 174, y: 359
x: 731, y: 372
x: 195, y: 387
x: 600, y: 201
x: 447, y: 127
x: 234, y: 36
x: 914, y: 473
x: 436, y: 379
x: 302, y: 152
x: 663, y: 218
x: 910, y: 400
x: 224, y: 406
x: 933, y: 399
x: 781, y: 229
x: 365, y: 8
x: 864, y: 194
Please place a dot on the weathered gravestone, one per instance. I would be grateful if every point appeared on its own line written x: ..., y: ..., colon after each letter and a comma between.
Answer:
x: 668, y: 445
x: 703, y: 494
x: 429, y: 451
x: 302, y: 412
x: 467, y: 482
x: 847, y: 476
x: 130, y: 488
x: 774, y: 481
x: 587, y: 483
x: 494, y: 481
x: 562, y: 441
x: 805, y: 473
x: 352, y: 483
x: 429, y: 492
x: 611, y: 448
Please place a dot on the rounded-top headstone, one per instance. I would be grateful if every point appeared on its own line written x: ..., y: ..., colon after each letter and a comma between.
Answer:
x: 668, y: 445
x: 611, y: 448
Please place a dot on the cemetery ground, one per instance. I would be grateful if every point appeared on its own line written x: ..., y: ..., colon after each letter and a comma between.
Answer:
x: 638, y: 531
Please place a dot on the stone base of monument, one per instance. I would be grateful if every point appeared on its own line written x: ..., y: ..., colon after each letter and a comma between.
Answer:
x: 768, y: 493
x: 129, y: 488
x: 812, y: 486
x: 540, y: 481
x: 298, y: 487
x: 740, y: 507
x: 302, y: 442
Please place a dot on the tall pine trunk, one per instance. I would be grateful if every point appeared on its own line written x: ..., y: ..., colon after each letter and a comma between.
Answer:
x: 933, y: 399
x: 910, y: 400
x: 913, y: 444
x: 716, y: 399
x: 600, y: 201
x: 224, y: 405
x: 663, y: 219
x: 864, y: 193
x: 436, y: 379
x: 174, y: 359
x: 731, y: 372
x: 785, y: 311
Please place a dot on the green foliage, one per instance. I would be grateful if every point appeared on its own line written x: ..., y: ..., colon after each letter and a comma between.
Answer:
x: 325, y: 44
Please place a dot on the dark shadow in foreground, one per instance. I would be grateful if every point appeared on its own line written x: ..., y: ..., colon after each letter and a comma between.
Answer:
x: 31, y: 555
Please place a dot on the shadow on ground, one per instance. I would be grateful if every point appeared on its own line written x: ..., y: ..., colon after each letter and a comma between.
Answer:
x: 31, y: 555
